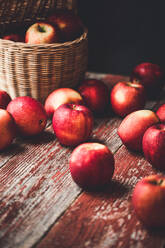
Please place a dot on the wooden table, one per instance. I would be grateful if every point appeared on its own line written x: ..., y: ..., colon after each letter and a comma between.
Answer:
x: 41, y: 206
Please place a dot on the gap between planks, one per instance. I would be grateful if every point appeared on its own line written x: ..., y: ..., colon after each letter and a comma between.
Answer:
x: 70, y: 230
x: 31, y: 198
x: 34, y: 189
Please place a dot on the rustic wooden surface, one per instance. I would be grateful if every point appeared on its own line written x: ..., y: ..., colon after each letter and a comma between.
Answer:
x: 41, y: 206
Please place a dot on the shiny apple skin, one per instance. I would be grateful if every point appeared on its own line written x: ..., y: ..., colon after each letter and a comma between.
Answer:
x: 148, y: 200
x: 150, y: 75
x: 29, y: 115
x: 7, y: 129
x: 95, y: 94
x: 69, y: 24
x: 127, y: 97
x: 161, y: 113
x: 91, y: 165
x: 154, y: 146
x: 72, y: 124
x: 41, y: 33
x: 4, y: 99
x: 133, y: 127
x: 61, y: 96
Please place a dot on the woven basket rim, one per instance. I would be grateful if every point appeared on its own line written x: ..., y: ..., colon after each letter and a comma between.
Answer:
x: 51, y: 45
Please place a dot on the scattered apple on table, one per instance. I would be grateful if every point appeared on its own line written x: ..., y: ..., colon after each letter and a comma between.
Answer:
x: 59, y: 97
x: 91, y: 165
x: 148, y: 200
x: 68, y: 23
x: 133, y: 127
x: 4, y: 99
x: 29, y: 115
x: 150, y: 75
x: 95, y: 94
x: 127, y: 97
x: 154, y: 146
x: 41, y: 33
x: 161, y: 113
x: 72, y: 124
x: 7, y: 129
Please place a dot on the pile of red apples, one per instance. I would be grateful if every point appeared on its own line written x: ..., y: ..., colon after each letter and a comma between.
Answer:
x: 72, y: 113
x: 60, y: 26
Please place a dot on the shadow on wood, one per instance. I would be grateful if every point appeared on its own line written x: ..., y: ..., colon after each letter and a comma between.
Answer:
x: 42, y: 138
x: 114, y: 189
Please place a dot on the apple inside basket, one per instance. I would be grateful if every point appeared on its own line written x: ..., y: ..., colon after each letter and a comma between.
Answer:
x: 37, y: 69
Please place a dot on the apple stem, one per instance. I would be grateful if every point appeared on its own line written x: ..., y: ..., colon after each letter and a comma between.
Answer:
x: 40, y: 122
x: 133, y: 84
x: 160, y: 182
x: 74, y: 106
x: 154, y: 182
x: 41, y: 28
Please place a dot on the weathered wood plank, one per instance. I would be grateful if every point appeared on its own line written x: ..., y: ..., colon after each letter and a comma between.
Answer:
x: 106, y: 219
x: 36, y: 186
x: 15, y: 148
x: 109, y: 79
x: 33, y: 186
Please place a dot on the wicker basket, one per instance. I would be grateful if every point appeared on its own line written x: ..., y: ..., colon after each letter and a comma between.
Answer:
x: 36, y: 70
x: 22, y: 10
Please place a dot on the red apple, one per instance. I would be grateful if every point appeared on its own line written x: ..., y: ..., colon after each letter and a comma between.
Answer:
x: 95, y: 94
x: 154, y: 145
x: 149, y: 200
x: 69, y: 24
x: 4, y: 99
x: 161, y: 113
x: 59, y: 97
x: 127, y: 97
x: 29, y: 115
x: 150, y: 75
x: 14, y: 37
x: 133, y: 127
x: 7, y: 129
x: 41, y: 33
x: 91, y: 165
x: 72, y: 124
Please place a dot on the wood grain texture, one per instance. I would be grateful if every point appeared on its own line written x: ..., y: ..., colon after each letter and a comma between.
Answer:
x: 37, y: 193
x: 33, y: 192
x: 106, y: 219
x: 36, y: 186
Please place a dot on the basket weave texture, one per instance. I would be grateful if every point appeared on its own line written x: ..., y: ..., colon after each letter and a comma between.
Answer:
x: 23, y: 10
x: 36, y: 70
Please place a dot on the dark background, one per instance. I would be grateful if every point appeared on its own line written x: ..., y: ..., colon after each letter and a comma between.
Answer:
x: 123, y: 33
